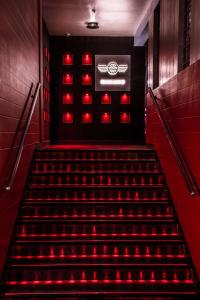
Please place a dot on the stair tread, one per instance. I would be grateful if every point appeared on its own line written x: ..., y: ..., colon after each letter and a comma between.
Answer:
x: 89, y: 186
x: 99, y: 265
x: 132, y: 221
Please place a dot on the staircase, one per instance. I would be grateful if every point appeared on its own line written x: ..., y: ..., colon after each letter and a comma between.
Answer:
x: 98, y: 223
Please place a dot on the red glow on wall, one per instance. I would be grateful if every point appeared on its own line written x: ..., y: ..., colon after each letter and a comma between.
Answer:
x: 68, y: 59
x: 67, y: 98
x: 106, y: 117
x: 106, y: 99
x: 68, y: 78
x: 86, y: 79
x: 86, y: 59
x: 125, y: 99
x: 47, y: 74
x: 86, y: 117
x: 87, y: 98
x: 125, y: 117
x: 46, y: 116
x: 68, y: 117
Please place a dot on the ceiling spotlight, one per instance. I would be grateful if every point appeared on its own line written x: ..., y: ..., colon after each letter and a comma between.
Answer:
x: 92, y: 24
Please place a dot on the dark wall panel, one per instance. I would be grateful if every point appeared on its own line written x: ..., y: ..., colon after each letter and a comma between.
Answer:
x: 18, y: 70
x: 195, y: 32
x: 77, y: 46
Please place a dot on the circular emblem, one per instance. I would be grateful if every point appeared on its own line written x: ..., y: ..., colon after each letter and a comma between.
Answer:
x: 112, y: 68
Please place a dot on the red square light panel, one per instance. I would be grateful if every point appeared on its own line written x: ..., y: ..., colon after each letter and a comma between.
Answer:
x: 68, y: 59
x: 68, y: 79
x: 87, y: 117
x: 106, y: 117
x: 106, y: 99
x: 68, y: 117
x: 86, y: 79
x: 86, y: 59
x: 125, y: 117
x: 125, y: 98
x: 86, y: 98
x: 67, y: 98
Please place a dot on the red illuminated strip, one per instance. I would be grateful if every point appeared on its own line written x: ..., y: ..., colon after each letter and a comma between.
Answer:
x: 83, y: 280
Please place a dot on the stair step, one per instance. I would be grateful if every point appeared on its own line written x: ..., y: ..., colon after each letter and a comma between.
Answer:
x: 93, y: 180
x: 158, y: 277
x: 96, y: 186
x: 100, y: 251
x: 124, y: 194
x: 98, y: 223
x: 96, y: 166
x: 82, y: 211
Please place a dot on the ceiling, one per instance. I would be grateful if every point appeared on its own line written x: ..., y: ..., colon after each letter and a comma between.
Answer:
x: 115, y: 17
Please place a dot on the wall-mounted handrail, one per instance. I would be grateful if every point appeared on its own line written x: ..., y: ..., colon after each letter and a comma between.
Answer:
x: 16, y: 162
x: 183, y: 165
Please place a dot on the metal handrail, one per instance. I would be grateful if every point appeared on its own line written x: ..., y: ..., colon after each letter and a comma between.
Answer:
x: 11, y: 178
x: 183, y: 165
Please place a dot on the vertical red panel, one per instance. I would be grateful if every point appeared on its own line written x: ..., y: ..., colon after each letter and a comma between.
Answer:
x: 68, y: 117
x: 86, y: 59
x: 106, y: 117
x: 68, y: 98
x: 106, y: 99
x: 125, y: 98
x: 87, y: 98
x: 125, y: 117
x: 86, y: 79
x: 68, y: 79
x: 87, y: 117
x: 67, y: 59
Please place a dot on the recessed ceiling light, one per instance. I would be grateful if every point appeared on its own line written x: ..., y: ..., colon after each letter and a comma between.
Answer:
x: 92, y: 24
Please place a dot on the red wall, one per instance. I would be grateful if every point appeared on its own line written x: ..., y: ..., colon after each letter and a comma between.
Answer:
x: 19, y: 67
x: 180, y: 104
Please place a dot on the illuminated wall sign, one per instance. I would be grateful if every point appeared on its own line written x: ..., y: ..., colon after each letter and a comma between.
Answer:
x: 112, y: 72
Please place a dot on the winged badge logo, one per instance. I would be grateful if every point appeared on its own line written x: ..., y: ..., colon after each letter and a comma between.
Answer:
x: 112, y: 68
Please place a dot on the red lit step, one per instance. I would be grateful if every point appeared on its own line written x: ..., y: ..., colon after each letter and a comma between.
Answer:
x: 93, y: 229
x: 102, y: 180
x: 95, y: 155
x: 100, y: 212
x: 101, y: 166
x: 112, y: 251
x: 161, y: 276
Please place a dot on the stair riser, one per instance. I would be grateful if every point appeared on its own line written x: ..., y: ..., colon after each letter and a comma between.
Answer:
x: 100, y: 195
x: 95, y: 167
x: 100, y: 212
x: 92, y: 155
x: 97, y: 230
x: 75, y: 252
x: 79, y: 275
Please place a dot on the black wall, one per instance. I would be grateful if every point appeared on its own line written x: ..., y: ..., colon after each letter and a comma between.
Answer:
x: 115, y: 131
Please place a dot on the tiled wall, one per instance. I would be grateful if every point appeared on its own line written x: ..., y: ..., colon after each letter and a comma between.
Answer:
x: 19, y: 68
x: 179, y: 100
